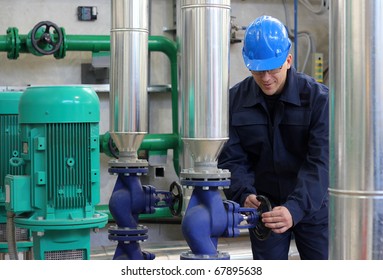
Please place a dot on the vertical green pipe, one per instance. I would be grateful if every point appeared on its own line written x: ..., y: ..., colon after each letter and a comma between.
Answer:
x: 96, y: 43
x: 168, y: 47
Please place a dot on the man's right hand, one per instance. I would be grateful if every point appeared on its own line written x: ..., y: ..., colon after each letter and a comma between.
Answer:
x: 252, y: 201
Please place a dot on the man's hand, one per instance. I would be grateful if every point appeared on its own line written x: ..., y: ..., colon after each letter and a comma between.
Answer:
x: 279, y: 219
x: 252, y: 201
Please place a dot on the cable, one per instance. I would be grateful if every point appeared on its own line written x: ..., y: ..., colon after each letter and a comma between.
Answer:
x: 11, y: 236
x: 310, y: 44
x: 323, y: 7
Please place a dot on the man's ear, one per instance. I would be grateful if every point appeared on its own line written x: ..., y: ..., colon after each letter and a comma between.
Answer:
x: 289, y: 60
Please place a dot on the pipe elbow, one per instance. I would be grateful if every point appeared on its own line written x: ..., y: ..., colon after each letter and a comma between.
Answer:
x: 197, y: 231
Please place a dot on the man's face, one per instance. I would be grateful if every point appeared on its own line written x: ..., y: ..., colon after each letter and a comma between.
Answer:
x: 272, y: 82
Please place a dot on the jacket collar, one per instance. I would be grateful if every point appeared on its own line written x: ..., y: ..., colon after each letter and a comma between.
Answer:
x: 290, y: 93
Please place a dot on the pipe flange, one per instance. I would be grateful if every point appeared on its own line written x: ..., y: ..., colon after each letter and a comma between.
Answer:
x: 13, y: 40
x: 206, y: 184
x: 127, y: 163
x: 127, y: 235
x: 128, y: 167
x: 219, y: 178
x: 61, y: 53
x: 127, y: 171
x: 205, y: 174
x: 218, y: 256
x: 218, y: 174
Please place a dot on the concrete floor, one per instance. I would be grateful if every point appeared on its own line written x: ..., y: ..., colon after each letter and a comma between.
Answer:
x: 166, y: 243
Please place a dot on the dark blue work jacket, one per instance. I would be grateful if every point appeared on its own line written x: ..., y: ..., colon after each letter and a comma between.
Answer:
x: 288, y: 160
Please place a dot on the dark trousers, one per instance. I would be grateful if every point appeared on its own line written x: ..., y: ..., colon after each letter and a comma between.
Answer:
x: 310, y: 235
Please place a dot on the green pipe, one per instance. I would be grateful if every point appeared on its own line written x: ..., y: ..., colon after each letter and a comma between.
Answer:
x: 13, y: 44
x: 156, y: 43
x: 168, y: 47
x: 92, y: 43
x: 4, y: 45
x: 159, y: 142
x: 152, y: 142
x: 158, y: 214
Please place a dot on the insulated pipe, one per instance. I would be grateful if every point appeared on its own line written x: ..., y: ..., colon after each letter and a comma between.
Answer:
x: 356, y: 132
x: 204, y: 37
x: 129, y: 75
x: 128, y: 105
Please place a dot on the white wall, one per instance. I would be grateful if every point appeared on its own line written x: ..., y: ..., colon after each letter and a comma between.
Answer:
x: 245, y: 11
x: 29, y: 69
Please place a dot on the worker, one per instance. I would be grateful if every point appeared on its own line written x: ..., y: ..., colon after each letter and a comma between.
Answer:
x: 278, y: 146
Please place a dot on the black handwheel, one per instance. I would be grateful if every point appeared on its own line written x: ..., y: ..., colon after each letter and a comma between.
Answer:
x: 177, y: 199
x: 47, y: 38
x: 260, y: 230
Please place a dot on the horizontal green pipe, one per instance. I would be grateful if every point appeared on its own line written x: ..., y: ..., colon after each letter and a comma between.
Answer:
x: 4, y: 45
x: 97, y: 43
x: 151, y: 142
x: 158, y: 214
x: 92, y: 43
x: 159, y: 142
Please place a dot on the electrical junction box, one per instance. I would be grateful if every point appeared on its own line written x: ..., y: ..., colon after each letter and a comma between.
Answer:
x: 86, y: 13
x: 17, y: 193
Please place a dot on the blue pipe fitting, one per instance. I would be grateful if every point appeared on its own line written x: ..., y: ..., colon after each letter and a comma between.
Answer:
x: 236, y: 215
x: 128, y: 200
x: 208, y: 217
x: 204, y: 222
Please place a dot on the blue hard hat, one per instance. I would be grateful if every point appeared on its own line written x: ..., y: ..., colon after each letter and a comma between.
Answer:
x: 266, y: 44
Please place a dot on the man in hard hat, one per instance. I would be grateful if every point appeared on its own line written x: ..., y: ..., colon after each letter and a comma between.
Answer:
x: 278, y: 145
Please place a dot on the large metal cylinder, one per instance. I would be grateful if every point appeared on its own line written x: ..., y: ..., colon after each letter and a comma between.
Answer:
x: 129, y: 73
x: 204, y: 36
x: 356, y: 133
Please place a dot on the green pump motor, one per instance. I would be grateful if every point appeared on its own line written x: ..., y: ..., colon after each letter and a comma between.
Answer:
x: 10, y: 148
x: 56, y: 197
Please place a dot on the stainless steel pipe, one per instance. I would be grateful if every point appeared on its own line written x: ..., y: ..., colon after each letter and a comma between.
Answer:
x: 129, y: 74
x: 203, y: 30
x: 356, y: 134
